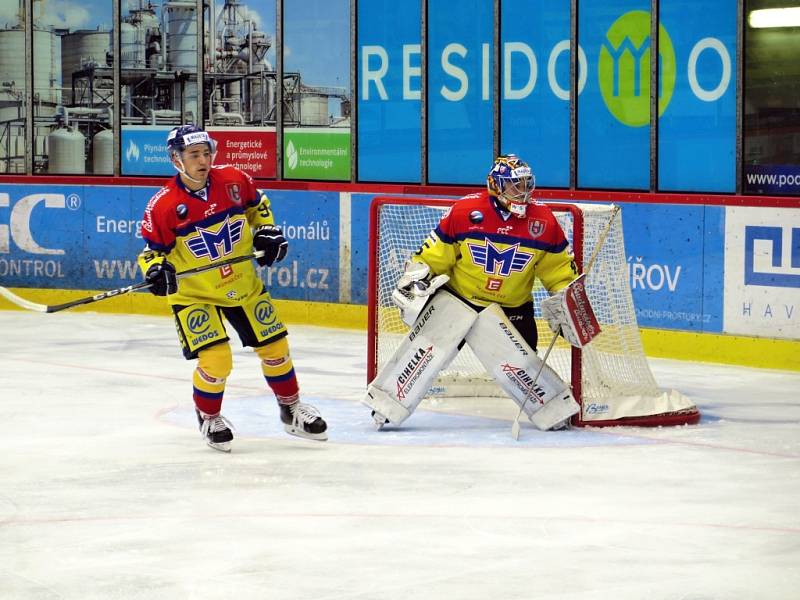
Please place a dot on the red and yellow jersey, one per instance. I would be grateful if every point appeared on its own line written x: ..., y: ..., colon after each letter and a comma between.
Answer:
x: 193, y: 229
x: 492, y: 256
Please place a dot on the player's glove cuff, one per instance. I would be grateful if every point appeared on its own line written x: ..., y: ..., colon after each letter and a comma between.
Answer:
x: 270, y: 240
x: 162, y: 278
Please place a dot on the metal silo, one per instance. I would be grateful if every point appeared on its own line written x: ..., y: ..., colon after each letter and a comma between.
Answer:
x: 181, y: 42
x: 46, y: 70
x: 103, y: 153
x: 79, y: 49
x: 12, y: 73
x: 66, y: 152
x: 132, y: 46
x: 181, y: 29
x: 314, y: 109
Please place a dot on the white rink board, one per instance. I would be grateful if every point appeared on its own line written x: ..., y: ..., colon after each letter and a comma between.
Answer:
x: 762, y: 272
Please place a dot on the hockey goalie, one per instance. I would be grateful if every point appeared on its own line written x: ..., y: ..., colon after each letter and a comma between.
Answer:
x: 470, y: 282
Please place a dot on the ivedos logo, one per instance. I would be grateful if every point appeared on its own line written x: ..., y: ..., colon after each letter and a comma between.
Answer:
x: 624, y: 69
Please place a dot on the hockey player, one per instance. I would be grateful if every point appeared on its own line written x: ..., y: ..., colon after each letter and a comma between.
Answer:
x: 206, y: 213
x: 474, y: 275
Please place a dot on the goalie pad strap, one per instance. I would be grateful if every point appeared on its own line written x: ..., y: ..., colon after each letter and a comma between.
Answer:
x: 429, y: 347
x: 512, y: 362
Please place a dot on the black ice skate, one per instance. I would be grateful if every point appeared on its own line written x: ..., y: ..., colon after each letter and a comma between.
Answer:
x: 216, y: 431
x: 303, y: 420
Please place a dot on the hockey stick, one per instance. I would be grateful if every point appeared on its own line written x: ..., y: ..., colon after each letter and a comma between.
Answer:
x: 46, y: 308
x: 515, y: 426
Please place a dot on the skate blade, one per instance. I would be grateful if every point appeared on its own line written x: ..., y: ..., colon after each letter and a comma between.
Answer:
x: 301, y: 433
x: 222, y: 447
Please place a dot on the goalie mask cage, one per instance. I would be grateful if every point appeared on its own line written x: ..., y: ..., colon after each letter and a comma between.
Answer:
x: 610, y: 378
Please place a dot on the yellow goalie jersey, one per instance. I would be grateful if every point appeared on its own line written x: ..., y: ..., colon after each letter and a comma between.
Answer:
x: 192, y: 229
x: 492, y: 256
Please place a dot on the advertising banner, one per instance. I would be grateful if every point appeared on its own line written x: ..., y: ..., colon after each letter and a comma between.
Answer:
x: 712, y: 269
x: 614, y: 105
x: 460, y: 95
x: 675, y: 256
x: 88, y: 237
x: 359, y: 243
x: 70, y: 237
x: 389, y: 98
x: 697, y: 126
x: 310, y: 223
x: 144, y: 150
x: 762, y: 272
x: 250, y: 149
x: 772, y: 179
x: 534, y: 109
x: 316, y: 153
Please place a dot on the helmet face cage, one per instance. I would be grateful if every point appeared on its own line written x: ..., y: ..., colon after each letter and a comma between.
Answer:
x: 511, y: 182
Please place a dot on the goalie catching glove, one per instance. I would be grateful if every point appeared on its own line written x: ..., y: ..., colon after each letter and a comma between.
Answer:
x: 570, y: 313
x: 416, y: 283
x: 270, y: 239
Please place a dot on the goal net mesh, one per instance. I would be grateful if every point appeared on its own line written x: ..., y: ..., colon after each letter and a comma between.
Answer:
x: 609, y: 373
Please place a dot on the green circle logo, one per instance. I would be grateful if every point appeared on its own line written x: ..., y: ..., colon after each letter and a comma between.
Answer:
x: 624, y: 69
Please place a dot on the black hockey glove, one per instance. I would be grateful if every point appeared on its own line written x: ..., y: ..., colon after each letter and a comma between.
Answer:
x: 162, y: 279
x: 269, y: 238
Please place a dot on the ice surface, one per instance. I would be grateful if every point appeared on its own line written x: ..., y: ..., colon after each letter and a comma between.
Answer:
x: 107, y: 490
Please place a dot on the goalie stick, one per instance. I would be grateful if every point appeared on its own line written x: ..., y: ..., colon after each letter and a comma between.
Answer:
x: 515, y: 426
x: 51, y: 308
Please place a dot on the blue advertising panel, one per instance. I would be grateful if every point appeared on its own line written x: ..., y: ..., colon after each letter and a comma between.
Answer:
x: 310, y: 223
x: 144, y: 151
x: 697, y: 129
x: 389, y: 95
x: 69, y: 237
x: 772, y: 179
x: 359, y: 244
x: 534, y: 109
x: 460, y: 91
x: 614, y: 106
x: 674, y: 252
x: 87, y: 238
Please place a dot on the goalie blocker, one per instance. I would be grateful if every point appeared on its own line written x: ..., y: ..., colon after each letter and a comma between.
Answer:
x: 433, y: 342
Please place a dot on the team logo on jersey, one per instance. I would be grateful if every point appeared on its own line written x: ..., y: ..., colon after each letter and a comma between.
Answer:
x: 216, y: 244
x: 536, y: 227
x: 495, y: 261
x: 233, y: 193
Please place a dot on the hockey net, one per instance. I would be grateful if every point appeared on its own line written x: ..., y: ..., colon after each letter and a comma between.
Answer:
x: 610, y: 378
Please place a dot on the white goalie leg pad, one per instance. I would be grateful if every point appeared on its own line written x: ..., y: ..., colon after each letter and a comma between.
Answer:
x: 513, y: 364
x: 429, y: 347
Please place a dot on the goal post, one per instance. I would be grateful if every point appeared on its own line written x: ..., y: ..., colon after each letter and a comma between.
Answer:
x: 610, y: 378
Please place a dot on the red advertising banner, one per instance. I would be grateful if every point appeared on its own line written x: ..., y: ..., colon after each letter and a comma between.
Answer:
x: 250, y: 149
